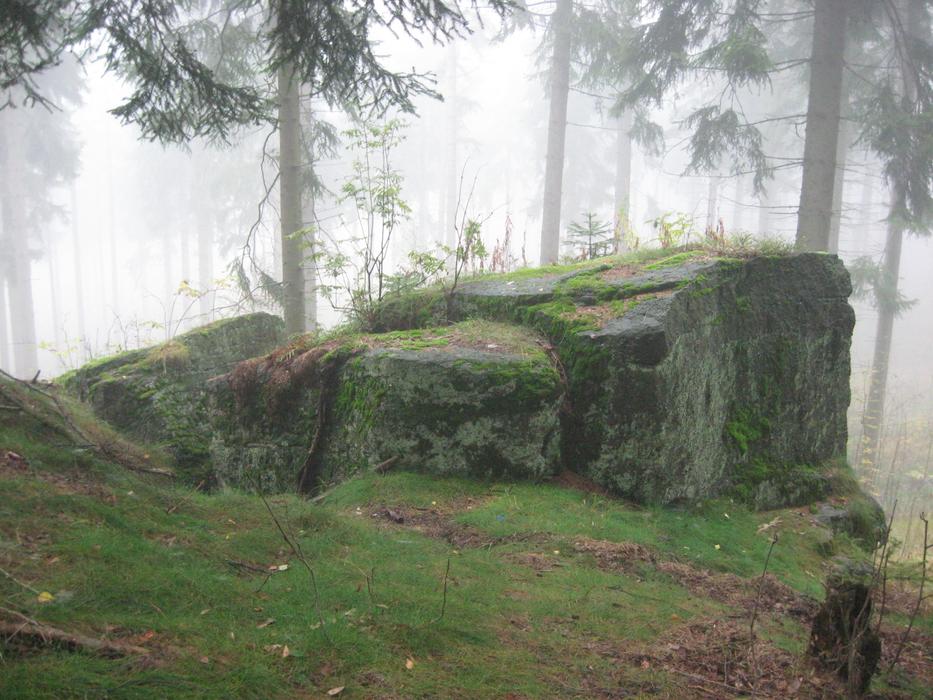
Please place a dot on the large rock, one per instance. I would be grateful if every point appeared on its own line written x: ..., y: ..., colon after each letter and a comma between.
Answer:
x: 738, y: 381
x: 156, y: 395
x: 694, y: 376
x: 684, y: 376
x: 474, y: 399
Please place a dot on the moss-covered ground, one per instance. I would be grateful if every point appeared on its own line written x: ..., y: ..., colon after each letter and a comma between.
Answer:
x: 551, y: 591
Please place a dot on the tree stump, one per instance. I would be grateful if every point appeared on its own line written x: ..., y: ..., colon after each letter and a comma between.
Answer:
x: 841, y: 638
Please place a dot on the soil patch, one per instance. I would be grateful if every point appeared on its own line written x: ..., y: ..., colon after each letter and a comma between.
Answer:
x: 777, y: 597
x: 438, y: 524
x: 13, y: 464
x: 716, y: 658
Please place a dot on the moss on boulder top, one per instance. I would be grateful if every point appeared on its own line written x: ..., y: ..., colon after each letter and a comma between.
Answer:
x: 665, y: 376
x: 477, y: 398
x: 156, y: 394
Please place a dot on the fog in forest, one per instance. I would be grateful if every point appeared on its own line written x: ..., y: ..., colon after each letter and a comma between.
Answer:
x: 124, y: 242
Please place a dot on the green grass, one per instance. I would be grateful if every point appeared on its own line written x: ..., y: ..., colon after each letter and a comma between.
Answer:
x: 142, y: 561
x: 689, y: 535
x: 114, y: 557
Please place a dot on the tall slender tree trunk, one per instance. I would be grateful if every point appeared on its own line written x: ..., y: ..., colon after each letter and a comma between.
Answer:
x: 738, y: 210
x: 309, y: 270
x: 839, y: 179
x: 309, y: 243
x: 452, y: 190
x: 290, y: 200
x: 4, y: 332
x: 54, y: 297
x: 712, y: 203
x: 764, y: 214
x: 866, y: 204
x: 819, y: 152
x: 185, y: 243
x: 556, y: 131
x: 623, y: 184
x: 112, y: 224
x: 15, y: 246
x: 912, y: 15
x: 78, y: 273
x: 873, y: 415
x: 205, y: 260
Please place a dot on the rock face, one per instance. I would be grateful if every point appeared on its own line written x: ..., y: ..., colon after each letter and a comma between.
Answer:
x: 738, y: 380
x: 157, y: 394
x: 664, y: 380
x: 455, y: 401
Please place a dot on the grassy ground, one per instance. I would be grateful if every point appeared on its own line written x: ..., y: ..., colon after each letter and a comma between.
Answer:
x: 425, y: 588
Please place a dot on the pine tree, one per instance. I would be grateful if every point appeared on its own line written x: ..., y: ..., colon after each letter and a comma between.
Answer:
x: 729, y: 44
x: 198, y: 70
x: 593, y: 236
x: 38, y: 153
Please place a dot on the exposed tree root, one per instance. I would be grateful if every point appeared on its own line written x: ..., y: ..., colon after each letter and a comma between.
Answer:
x: 37, y: 634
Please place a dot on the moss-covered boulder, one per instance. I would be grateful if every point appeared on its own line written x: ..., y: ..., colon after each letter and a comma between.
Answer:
x: 156, y: 395
x: 476, y: 398
x: 691, y: 375
x: 672, y: 375
x: 738, y: 382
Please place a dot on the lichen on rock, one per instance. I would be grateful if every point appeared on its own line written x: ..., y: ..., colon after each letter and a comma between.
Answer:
x: 156, y: 395
x: 484, y: 403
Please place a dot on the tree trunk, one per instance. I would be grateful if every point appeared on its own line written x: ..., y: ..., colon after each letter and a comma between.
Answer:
x: 453, y: 184
x: 839, y: 179
x: 309, y: 239
x: 556, y: 131
x: 79, y: 277
x: 290, y: 200
x: 712, y: 204
x: 764, y: 214
x: 737, y: 208
x: 205, y: 260
x: 819, y: 152
x: 865, y: 206
x: 15, y: 247
x: 4, y: 337
x: 873, y: 416
x: 309, y: 270
x: 111, y: 220
x: 54, y: 297
x: 623, y: 183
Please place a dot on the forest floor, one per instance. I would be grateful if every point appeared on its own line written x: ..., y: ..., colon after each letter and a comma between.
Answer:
x: 422, y: 588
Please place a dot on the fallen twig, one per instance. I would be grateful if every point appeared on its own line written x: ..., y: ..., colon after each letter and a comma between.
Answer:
x: 37, y: 632
x: 246, y: 566
x: 751, y: 626
x: 923, y: 579
x: 77, y: 431
x: 14, y: 580
x: 386, y: 465
x: 444, y: 601
x: 295, y: 546
x: 184, y: 500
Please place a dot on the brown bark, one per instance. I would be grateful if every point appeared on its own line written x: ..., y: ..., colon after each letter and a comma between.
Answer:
x: 873, y: 416
x: 556, y: 131
x: 79, y: 276
x: 36, y: 633
x: 819, y: 153
x: 623, y: 184
x: 290, y: 200
x: 14, y: 242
